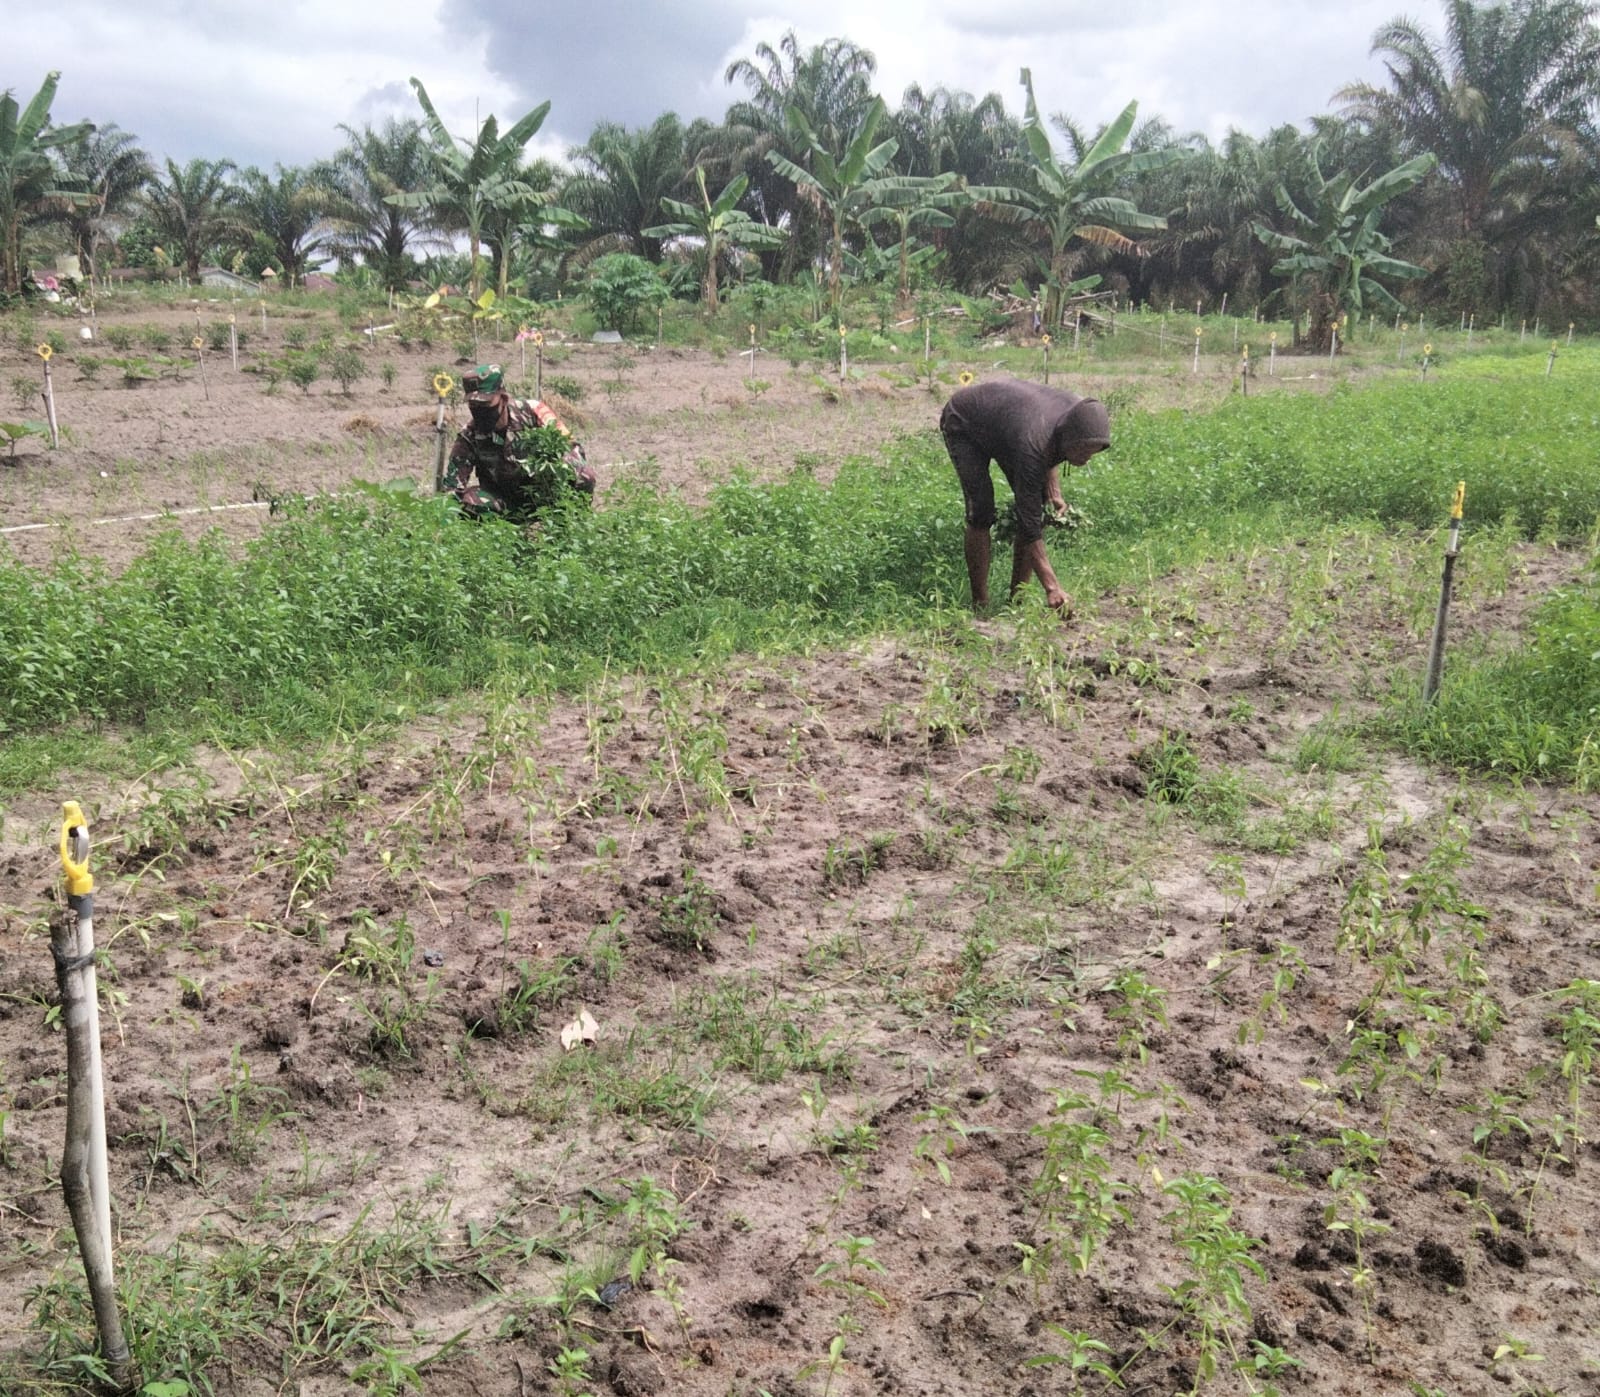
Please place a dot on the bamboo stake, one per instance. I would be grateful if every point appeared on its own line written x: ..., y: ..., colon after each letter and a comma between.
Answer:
x: 1046, y: 342
x: 1198, y: 331
x: 85, y: 1180
x: 233, y: 341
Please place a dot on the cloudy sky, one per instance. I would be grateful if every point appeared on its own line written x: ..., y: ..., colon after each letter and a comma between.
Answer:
x: 271, y: 84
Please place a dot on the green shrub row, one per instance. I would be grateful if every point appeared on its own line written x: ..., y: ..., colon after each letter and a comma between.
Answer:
x: 348, y: 606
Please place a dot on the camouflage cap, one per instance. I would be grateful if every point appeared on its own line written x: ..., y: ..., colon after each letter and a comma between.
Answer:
x: 490, y: 377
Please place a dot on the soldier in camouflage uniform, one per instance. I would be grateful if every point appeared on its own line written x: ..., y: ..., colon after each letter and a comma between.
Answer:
x: 524, y: 456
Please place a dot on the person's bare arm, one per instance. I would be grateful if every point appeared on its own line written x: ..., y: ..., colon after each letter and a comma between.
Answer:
x: 1052, y: 490
x: 1031, y: 558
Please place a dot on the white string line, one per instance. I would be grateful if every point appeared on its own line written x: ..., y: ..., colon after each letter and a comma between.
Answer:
x: 137, y: 518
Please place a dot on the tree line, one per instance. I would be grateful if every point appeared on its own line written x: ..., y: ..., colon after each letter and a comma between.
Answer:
x: 1468, y: 180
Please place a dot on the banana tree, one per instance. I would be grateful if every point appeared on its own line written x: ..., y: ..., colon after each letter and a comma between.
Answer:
x: 1337, y: 252
x: 31, y: 180
x: 906, y: 204
x: 472, y: 178
x: 719, y: 224
x: 837, y: 184
x: 1065, y: 202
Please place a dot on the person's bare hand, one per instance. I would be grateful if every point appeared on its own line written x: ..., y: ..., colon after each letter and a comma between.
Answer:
x: 1059, y: 600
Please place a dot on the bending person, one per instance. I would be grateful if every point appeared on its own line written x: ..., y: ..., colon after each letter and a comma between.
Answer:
x: 1028, y: 430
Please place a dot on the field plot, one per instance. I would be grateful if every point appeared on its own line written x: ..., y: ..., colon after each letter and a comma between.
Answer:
x: 706, y: 959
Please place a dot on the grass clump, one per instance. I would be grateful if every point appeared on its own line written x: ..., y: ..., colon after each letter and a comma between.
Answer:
x: 1530, y: 715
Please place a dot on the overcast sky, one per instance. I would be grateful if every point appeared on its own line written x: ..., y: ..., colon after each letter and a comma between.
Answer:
x: 265, y: 84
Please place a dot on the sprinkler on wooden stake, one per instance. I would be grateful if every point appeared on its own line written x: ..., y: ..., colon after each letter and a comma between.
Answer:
x: 45, y: 352
x: 85, y: 1179
x: 443, y: 384
x: 1430, y: 685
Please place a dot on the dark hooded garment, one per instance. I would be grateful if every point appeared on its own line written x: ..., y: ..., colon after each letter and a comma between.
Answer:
x: 1025, y: 428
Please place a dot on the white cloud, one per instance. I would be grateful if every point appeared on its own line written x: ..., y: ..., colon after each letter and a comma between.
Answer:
x: 271, y: 84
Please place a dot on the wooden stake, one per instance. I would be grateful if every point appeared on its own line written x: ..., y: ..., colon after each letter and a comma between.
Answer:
x: 1430, y: 685
x: 1550, y: 363
x: 85, y: 1179
x: 50, y: 399
x: 844, y: 356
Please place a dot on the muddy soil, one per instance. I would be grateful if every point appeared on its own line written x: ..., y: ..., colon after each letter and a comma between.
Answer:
x: 918, y: 942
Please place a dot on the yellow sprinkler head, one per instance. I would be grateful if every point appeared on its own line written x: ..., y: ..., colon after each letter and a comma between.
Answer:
x: 1199, y: 330
x: 75, y: 850
x: 1273, y: 337
x: 964, y: 378
x: 752, y: 329
x: 1459, y: 502
x: 538, y: 337
x: 1427, y: 349
x: 1045, y: 339
x: 842, y: 332
x: 197, y: 343
x: 44, y: 352
x: 442, y: 384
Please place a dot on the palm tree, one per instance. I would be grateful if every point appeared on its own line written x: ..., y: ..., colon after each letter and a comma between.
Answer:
x: 31, y: 179
x: 621, y: 178
x: 371, y: 167
x: 946, y: 131
x: 194, y: 208
x: 113, y: 170
x: 472, y: 178
x: 952, y: 132
x: 719, y: 225
x: 1501, y: 102
x: 1337, y: 248
x: 1067, y: 202
x: 290, y: 212
x: 830, y: 85
x: 836, y: 185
